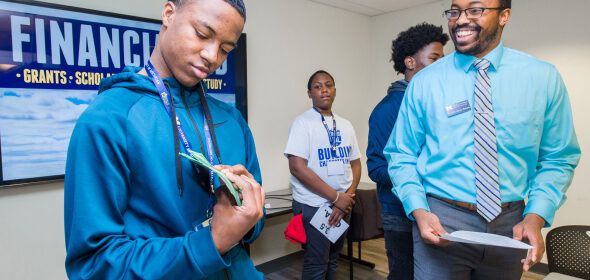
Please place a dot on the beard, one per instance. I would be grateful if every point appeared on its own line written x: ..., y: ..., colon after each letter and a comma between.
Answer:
x: 483, y: 42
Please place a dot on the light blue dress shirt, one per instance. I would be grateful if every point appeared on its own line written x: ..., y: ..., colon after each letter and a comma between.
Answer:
x: 430, y: 152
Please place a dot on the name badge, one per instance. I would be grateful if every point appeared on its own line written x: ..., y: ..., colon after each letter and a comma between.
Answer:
x: 335, y: 167
x: 457, y: 108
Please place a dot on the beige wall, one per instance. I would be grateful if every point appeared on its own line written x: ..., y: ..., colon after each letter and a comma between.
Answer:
x: 287, y: 40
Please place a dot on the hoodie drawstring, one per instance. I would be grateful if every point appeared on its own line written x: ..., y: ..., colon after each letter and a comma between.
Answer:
x: 178, y: 163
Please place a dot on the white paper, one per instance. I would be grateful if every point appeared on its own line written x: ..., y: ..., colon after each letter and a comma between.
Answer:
x: 483, y: 238
x: 320, y: 222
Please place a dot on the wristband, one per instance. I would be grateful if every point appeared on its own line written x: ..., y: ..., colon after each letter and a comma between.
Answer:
x: 337, y: 196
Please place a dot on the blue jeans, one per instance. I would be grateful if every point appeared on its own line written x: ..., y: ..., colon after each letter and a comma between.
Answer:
x: 399, y: 247
x: 468, y: 261
x: 320, y: 256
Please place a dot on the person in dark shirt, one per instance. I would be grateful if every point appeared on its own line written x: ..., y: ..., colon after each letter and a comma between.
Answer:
x: 411, y: 51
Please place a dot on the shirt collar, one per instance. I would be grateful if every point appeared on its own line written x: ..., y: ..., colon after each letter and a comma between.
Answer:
x: 465, y: 61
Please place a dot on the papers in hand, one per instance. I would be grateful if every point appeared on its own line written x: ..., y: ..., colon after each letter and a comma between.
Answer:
x: 320, y: 222
x: 200, y: 159
x: 485, y: 239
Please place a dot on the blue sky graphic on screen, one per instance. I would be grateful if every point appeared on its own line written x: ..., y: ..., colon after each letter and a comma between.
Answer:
x: 51, y: 63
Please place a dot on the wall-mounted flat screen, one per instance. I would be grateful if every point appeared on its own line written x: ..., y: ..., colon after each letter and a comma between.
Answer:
x: 52, y: 59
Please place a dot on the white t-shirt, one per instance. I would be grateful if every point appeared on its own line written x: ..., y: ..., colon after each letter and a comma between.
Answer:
x: 309, y: 139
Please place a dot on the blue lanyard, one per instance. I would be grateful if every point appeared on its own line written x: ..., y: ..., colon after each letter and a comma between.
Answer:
x: 331, y: 138
x: 165, y: 97
x: 209, y: 147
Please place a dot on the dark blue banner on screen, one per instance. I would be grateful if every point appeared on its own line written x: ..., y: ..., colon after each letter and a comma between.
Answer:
x: 52, y: 59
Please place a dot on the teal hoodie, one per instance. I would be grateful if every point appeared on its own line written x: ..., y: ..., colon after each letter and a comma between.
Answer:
x: 124, y: 215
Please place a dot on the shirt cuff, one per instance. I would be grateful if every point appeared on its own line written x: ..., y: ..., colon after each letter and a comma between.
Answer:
x: 413, y: 202
x: 300, y: 154
x: 256, y: 230
x: 205, y: 254
x: 541, y: 207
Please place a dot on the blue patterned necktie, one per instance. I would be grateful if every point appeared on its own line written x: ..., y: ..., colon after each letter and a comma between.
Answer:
x: 485, y: 150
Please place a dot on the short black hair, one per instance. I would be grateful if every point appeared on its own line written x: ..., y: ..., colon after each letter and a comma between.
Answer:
x: 507, y: 4
x: 411, y: 41
x: 237, y: 4
x: 315, y: 74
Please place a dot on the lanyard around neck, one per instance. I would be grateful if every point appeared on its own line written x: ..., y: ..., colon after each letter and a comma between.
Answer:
x: 332, y: 137
x: 166, y: 100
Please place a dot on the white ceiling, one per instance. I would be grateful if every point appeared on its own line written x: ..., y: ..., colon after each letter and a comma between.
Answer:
x: 373, y: 7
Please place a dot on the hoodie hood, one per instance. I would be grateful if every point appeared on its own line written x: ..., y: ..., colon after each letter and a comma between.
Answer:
x: 129, y: 79
x: 399, y: 86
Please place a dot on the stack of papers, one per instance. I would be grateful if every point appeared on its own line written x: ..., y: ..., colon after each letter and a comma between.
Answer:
x: 483, y: 238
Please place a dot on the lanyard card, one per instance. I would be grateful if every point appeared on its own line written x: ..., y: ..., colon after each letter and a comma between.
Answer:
x: 335, y: 167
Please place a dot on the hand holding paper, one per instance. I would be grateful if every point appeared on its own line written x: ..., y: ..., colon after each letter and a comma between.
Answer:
x: 430, y: 227
x: 200, y: 159
x: 231, y: 223
x: 320, y: 222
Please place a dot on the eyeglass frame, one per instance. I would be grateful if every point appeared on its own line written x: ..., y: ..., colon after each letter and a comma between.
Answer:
x: 483, y: 9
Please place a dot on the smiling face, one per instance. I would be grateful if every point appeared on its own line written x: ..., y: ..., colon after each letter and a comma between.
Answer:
x: 322, y: 92
x: 196, y: 38
x: 478, y: 36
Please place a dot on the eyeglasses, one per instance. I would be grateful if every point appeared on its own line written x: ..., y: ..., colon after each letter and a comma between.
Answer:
x: 470, y: 13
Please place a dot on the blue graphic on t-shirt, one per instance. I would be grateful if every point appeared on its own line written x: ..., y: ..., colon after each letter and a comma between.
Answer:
x: 335, y: 138
x: 329, y: 154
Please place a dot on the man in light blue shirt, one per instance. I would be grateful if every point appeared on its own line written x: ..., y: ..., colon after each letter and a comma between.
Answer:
x: 473, y: 139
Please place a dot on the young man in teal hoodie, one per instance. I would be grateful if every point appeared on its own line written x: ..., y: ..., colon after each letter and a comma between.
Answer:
x: 133, y: 208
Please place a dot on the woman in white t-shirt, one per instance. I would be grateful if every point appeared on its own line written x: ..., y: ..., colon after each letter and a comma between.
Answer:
x: 324, y: 161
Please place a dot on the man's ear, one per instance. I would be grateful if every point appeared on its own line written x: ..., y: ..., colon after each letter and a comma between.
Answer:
x: 505, y: 17
x: 168, y: 13
x: 309, y: 93
x: 410, y: 62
